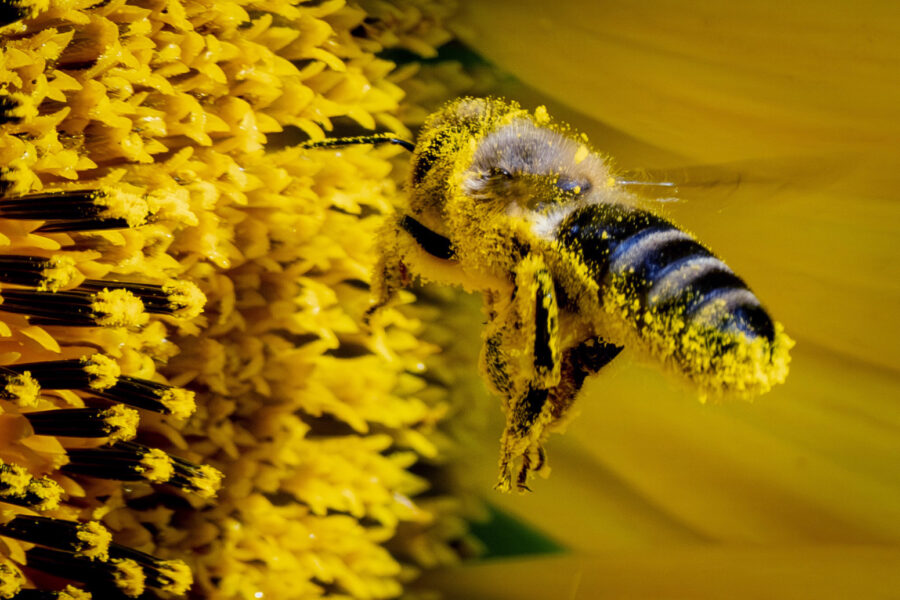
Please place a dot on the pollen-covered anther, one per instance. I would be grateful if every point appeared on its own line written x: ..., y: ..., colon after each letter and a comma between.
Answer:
x: 77, y: 308
x: 182, y: 299
x: 19, y: 387
x: 123, y: 461
x: 46, y: 274
x: 102, y: 371
x: 119, y: 308
x: 90, y: 539
x: 203, y: 480
x: 14, y: 107
x: 128, y: 206
x: 70, y: 592
x: 117, y: 422
x: 11, y: 579
x: 100, y: 375
x: 60, y: 272
x: 93, y: 373
x: 185, y: 298
x: 173, y: 576
x: 78, y: 210
x: 124, y: 574
x: 19, y: 487
x: 151, y: 395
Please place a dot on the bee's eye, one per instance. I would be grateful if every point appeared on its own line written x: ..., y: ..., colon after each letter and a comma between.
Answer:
x: 499, y: 172
x: 573, y: 186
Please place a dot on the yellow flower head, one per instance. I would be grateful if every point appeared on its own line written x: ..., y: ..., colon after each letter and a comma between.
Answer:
x: 181, y: 290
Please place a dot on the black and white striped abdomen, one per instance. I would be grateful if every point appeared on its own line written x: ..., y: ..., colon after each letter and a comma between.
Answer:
x: 652, y: 270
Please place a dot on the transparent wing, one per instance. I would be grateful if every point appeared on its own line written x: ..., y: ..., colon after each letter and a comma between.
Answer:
x: 716, y: 184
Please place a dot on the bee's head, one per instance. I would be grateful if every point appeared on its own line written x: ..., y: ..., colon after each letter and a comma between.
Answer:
x: 525, y: 168
x: 444, y: 150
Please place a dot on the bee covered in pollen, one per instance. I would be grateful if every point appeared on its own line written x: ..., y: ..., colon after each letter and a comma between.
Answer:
x: 516, y: 207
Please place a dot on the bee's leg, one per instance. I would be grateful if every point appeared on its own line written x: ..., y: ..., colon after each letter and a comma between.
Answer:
x: 389, y: 277
x: 577, y: 364
x: 537, y: 323
x: 522, y: 359
x: 391, y: 273
x: 405, y: 245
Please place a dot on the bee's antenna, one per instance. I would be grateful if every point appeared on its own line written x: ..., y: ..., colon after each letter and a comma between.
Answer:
x: 378, y: 138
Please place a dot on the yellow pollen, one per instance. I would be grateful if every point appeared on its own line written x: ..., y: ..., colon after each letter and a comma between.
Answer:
x: 103, y: 370
x: 24, y: 388
x: 11, y: 579
x: 122, y: 422
x: 581, y: 154
x: 178, y: 573
x: 50, y: 493
x: 207, y: 482
x: 129, y: 576
x: 119, y: 308
x: 73, y: 593
x: 120, y: 204
x: 60, y: 274
x: 179, y: 402
x: 95, y: 540
x: 14, y: 479
x: 185, y: 298
x: 156, y: 466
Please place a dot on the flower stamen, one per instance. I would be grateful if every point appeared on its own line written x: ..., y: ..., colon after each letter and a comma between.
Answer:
x: 181, y: 299
x: 118, y: 423
x: 90, y: 540
x: 128, y: 461
x: 124, y: 574
x: 18, y: 386
x: 78, y: 210
x: 173, y: 576
x: 76, y: 308
x: 19, y: 487
x: 123, y: 461
x: 45, y: 274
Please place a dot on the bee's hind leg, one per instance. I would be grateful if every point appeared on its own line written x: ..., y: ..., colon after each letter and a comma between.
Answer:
x: 522, y: 437
x: 579, y: 362
x: 544, y: 411
x: 533, y: 461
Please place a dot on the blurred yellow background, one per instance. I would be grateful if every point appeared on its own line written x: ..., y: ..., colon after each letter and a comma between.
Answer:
x: 780, y: 123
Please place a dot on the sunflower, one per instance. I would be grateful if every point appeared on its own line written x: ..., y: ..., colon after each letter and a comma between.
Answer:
x: 189, y: 401
x: 191, y: 405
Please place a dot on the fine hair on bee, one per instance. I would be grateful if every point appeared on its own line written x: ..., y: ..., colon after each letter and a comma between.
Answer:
x: 517, y: 207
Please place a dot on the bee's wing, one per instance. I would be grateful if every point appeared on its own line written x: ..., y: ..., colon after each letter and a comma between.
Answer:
x: 676, y: 185
x: 717, y: 183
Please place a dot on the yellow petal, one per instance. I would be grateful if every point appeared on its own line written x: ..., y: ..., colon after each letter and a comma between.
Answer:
x: 704, y: 573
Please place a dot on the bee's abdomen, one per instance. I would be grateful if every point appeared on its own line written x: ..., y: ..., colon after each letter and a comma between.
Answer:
x: 668, y: 271
x: 653, y: 270
x: 660, y: 289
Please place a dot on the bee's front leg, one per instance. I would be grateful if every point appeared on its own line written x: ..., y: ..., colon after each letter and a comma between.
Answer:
x: 406, y: 250
x: 390, y: 274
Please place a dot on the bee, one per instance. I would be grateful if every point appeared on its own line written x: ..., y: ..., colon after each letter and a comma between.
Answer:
x: 517, y: 207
